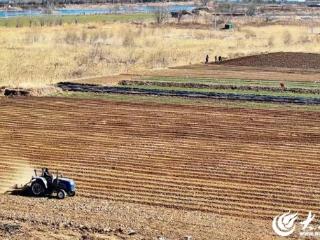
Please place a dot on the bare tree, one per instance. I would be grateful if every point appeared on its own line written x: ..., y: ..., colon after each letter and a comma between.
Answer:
x: 179, y: 16
x: 251, y: 10
x: 204, y: 2
x: 161, y: 14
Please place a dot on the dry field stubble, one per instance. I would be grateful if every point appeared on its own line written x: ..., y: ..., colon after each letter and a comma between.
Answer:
x: 33, y: 57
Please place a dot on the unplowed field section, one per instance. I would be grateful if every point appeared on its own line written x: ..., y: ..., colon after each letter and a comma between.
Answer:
x: 218, y: 71
x: 236, y: 72
x: 250, y: 163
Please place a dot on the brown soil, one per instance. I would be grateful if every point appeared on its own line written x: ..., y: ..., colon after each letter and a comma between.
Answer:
x: 213, y: 71
x: 234, y: 72
x: 234, y: 162
x: 279, y: 59
x: 96, y: 219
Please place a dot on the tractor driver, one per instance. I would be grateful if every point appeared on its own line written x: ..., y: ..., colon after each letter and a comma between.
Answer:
x: 47, y: 175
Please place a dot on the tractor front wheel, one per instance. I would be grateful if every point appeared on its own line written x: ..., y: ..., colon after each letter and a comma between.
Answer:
x: 72, y: 194
x: 61, y: 194
x: 37, y: 189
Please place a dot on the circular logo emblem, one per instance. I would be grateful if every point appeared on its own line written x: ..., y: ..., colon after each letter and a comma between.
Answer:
x: 283, y: 225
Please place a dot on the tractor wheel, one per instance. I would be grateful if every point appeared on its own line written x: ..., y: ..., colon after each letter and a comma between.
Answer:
x: 61, y: 194
x: 37, y: 189
x: 72, y: 194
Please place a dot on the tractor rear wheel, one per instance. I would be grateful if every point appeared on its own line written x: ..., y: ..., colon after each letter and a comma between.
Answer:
x: 37, y: 189
x: 61, y: 194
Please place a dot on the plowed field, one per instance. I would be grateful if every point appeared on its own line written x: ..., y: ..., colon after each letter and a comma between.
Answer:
x: 247, y: 163
x: 279, y: 59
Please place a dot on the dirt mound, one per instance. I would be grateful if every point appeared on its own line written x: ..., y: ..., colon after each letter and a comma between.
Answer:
x: 16, y: 92
x: 279, y: 59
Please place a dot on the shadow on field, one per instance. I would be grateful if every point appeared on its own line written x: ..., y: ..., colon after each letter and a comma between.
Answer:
x: 20, y: 192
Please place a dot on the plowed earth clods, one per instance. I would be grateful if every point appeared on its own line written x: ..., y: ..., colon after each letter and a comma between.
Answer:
x: 279, y: 60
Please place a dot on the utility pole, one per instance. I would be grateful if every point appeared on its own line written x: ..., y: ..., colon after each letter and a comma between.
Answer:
x: 215, y: 15
x: 215, y: 21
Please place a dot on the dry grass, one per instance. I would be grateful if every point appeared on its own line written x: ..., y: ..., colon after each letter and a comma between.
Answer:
x: 38, y: 56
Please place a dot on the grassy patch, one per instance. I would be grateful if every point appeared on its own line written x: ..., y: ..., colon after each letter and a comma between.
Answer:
x: 72, y: 19
x: 186, y: 101
x: 237, y: 82
x: 234, y: 91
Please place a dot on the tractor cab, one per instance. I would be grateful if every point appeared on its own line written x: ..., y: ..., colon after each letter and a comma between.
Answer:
x: 46, y: 183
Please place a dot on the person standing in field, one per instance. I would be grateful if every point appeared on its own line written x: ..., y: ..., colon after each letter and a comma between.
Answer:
x: 207, y: 59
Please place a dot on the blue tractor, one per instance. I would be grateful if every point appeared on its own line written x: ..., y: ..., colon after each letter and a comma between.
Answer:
x: 47, y: 184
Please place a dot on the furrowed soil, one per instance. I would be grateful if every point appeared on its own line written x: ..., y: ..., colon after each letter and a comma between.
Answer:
x: 279, y: 59
x: 224, y: 165
x: 85, y: 218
